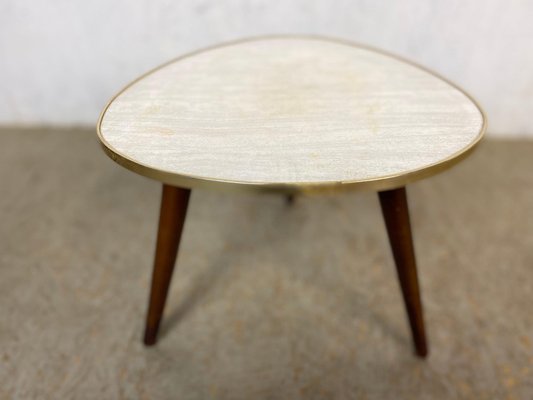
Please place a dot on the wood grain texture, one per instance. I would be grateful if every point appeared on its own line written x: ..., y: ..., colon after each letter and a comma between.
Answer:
x: 396, y: 215
x: 174, y: 203
x: 289, y: 111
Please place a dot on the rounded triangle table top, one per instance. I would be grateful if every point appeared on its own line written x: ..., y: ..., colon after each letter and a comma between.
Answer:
x: 290, y: 114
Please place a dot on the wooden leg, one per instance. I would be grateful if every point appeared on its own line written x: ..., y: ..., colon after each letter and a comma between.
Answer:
x: 396, y: 214
x: 290, y: 199
x: 174, y: 203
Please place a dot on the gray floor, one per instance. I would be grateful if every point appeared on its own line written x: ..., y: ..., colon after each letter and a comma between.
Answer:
x: 268, y: 301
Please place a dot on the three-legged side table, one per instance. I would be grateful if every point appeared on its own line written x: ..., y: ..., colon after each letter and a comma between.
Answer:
x: 289, y: 115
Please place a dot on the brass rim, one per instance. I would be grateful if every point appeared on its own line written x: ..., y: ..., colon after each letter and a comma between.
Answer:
x: 380, y: 183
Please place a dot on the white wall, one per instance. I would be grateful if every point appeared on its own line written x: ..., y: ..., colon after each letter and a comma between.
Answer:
x: 60, y: 60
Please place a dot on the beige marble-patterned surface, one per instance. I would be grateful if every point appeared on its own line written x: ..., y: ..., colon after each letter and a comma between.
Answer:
x: 289, y: 110
x: 268, y: 302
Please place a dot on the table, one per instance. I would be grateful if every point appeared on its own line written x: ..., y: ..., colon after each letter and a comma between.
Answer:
x: 291, y: 115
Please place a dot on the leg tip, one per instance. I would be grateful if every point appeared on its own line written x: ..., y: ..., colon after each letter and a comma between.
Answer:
x: 150, y: 337
x: 422, y: 351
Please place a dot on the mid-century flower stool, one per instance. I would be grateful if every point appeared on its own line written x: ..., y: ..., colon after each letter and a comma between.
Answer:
x: 289, y: 115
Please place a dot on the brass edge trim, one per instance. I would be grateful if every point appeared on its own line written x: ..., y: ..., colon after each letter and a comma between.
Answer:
x: 378, y: 184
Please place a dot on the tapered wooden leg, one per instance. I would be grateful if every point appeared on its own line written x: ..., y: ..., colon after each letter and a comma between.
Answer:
x: 174, y: 202
x: 396, y: 214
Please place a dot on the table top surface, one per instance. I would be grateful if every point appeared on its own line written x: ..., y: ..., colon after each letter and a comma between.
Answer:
x: 290, y: 114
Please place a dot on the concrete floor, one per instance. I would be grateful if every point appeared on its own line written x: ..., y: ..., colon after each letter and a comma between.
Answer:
x: 268, y: 301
